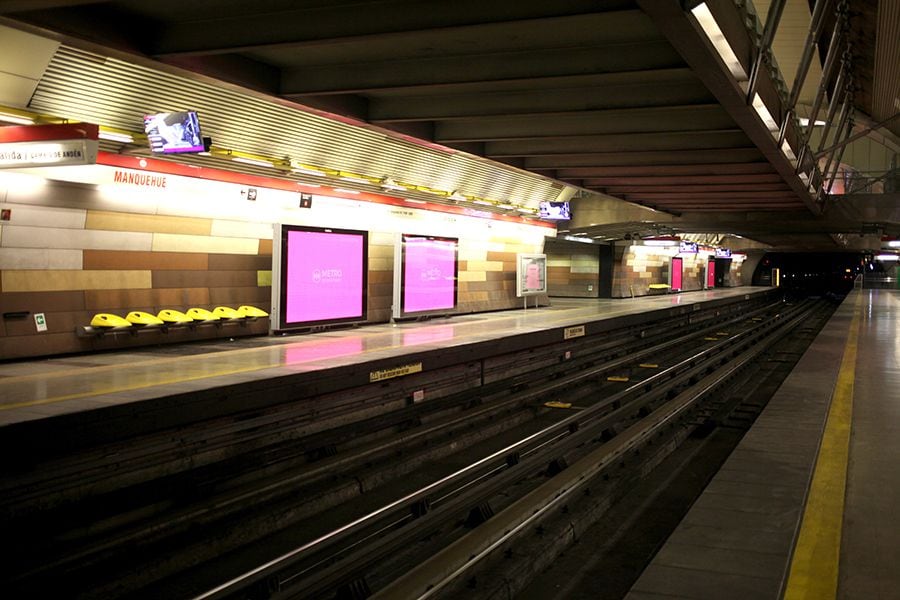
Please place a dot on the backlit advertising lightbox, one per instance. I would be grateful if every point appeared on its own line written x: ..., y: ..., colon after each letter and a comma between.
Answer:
x: 322, y: 276
x: 711, y: 273
x: 531, y: 274
x: 676, y: 273
x: 428, y: 275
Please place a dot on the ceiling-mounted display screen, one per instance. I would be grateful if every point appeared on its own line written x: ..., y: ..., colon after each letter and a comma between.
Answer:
x: 322, y: 276
x: 554, y: 210
x: 175, y: 132
x: 428, y: 274
x: 685, y: 247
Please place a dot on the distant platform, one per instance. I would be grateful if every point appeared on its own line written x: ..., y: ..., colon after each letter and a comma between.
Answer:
x: 46, y: 388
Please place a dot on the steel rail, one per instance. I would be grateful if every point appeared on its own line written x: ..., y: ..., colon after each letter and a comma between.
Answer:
x: 399, y: 510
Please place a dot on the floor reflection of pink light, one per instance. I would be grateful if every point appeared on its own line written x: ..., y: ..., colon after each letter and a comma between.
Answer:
x: 425, y: 336
x: 321, y: 350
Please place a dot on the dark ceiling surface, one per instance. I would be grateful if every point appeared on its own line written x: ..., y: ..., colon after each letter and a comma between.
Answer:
x: 604, y: 95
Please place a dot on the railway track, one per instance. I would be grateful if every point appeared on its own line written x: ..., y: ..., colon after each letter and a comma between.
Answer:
x: 291, y: 474
x: 600, y: 435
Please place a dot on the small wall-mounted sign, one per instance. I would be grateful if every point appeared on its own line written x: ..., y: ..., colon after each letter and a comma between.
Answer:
x: 40, y: 322
x: 5, y: 214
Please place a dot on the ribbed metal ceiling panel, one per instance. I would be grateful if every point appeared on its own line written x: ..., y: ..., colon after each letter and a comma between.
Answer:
x: 886, y: 85
x: 79, y: 85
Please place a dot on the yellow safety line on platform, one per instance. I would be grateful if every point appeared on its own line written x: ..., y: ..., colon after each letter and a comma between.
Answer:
x: 815, y: 564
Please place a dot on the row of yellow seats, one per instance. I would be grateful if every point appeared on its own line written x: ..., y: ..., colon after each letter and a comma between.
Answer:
x: 173, y: 317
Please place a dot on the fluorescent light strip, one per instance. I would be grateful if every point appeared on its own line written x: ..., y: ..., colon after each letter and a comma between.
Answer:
x: 346, y: 191
x: 764, y: 114
x: 887, y: 257
x: 253, y: 161
x: 355, y: 180
x: 482, y: 202
x: 116, y: 137
x: 414, y: 201
x: 712, y: 30
x: 16, y: 119
x: 303, y: 171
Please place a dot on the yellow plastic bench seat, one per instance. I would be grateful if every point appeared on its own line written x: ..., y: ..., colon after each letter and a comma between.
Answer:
x: 201, y: 314
x: 137, y: 317
x: 170, y: 315
x: 659, y: 286
x: 108, y: 321
x: 225, y: 312
x: 251, y: 311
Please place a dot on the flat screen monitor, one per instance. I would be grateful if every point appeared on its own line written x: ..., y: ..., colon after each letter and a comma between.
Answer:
x: 711, y: 273
x: 174, y: 132
x: 554, y: 210
x: 429, y: 274
x: 676, y: 273
x: 685, y: 247
x: 322, y: 276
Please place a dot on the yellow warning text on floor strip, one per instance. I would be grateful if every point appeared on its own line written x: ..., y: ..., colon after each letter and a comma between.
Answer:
x: 814, y: 566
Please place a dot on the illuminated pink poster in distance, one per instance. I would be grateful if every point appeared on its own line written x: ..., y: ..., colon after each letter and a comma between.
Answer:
x: 324, y: 278
x: 711, y: 274
x: 677, y: 270
x: 429, y: 273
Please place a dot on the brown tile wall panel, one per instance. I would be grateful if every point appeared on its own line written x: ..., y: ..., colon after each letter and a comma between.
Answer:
x: 381, y: 289
x: 584, y: 277
x: 99, y: 300
x: 265, y: 247
x: 42, y: 345
x: 54, y: 281
x: 381, y: 277
x: 379, y: 315
x: 502, y: 256
x: 103, y: 300
x: 239, y: 262
x: 156, y: 261
x: 57, y: 322
x: 181, y: 279
x: 236, y: 296
x: 42, y: 301
x: 120, y: 221
x: 480, y: 286
x: 500, y: 276
x: 509, y: 266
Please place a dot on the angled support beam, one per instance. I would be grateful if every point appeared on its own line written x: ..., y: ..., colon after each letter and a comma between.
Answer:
x: 858, y: 135
x: 816, y: 24
x: 686, y: 35
x: 838, y: 96
x: 773, y: 17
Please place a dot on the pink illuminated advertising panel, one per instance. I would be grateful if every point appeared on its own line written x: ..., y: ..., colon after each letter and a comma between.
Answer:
x: 676, y: 272
x: 429, y: 274
x: 711, y: 274
x: 323, y: 275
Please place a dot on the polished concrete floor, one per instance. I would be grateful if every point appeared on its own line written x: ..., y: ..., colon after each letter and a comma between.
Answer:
x: 42, y: 388
x: 744, y: 537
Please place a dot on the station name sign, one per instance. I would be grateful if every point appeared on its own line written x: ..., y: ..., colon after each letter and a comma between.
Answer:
x: 48, y: 145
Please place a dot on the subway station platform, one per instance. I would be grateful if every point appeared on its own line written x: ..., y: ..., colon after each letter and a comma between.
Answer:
x: 82, y: 384
x: 806, y: 507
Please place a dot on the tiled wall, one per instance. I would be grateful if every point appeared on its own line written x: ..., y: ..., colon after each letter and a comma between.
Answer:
x: 640, y: 266
x: 71, y: 251
x: 573, y: 274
